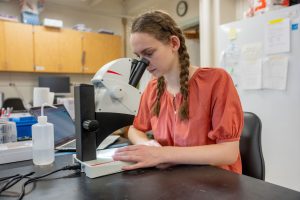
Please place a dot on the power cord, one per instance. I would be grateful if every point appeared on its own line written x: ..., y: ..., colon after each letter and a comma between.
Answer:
x: 12, y: 180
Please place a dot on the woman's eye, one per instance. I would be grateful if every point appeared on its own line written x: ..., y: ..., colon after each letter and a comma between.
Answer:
x: 148, y: 54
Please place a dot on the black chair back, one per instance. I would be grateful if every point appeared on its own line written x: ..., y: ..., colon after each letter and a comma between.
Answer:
x: 16, y: 103
x: 250, y: 147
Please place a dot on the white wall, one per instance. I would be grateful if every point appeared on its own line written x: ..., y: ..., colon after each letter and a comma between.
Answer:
x: 228, y: 11
x: 135, y: 7
x: 193, y: 46
x: 72, y: 16
x: 24, y: 82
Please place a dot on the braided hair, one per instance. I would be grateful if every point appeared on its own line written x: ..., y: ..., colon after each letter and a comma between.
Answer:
x: 161, y: 26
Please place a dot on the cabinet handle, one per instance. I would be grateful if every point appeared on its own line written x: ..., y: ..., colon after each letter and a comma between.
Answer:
x: 83, y: 58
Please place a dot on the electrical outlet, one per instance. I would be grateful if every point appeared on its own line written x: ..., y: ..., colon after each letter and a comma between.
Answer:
x: 12, y: 84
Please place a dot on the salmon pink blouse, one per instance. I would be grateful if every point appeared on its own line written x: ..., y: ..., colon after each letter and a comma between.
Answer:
x: 215, y: 113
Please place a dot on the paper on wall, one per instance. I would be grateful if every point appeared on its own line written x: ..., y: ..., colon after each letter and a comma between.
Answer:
x: 232, y: 34
x: 229, y: 59
x: 275, y: 72
x: 251, y: 63
x: 277, y: 36
x: 251, y: 74
x: 252, y: 51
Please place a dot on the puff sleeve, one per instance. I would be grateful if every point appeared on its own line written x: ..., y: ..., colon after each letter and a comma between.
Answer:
x: 227, y: 116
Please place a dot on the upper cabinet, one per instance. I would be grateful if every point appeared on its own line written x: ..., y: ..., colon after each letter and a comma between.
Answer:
x: 57, y: 50
x: 18, y: 44
x: 2, y: 53
x: 26, y: 48
x: 99, y: 49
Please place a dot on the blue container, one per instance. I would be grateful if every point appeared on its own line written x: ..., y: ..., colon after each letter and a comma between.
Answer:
x: 24, y: 127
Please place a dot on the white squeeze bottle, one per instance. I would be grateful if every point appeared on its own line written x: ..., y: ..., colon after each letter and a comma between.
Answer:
x: 42, y: 141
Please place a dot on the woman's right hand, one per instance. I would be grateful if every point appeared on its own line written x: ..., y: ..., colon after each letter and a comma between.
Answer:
x: 141, y: 155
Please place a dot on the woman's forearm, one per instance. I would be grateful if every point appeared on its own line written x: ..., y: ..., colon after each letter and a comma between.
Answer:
x: 136, y: 136
x: 214, y: 154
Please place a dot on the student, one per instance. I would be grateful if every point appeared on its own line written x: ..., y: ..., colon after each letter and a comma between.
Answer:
x: 194, y: 113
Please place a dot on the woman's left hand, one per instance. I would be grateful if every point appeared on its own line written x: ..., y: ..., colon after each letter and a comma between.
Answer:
x: 141, y: 155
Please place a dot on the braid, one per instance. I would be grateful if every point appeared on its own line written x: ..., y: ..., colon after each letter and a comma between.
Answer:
x: 184, y: 78
x: 162, y: 27
x: 160, y: 91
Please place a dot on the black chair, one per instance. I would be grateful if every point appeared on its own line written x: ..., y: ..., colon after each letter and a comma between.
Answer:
x: 250, y: 147
x: 16, y: 103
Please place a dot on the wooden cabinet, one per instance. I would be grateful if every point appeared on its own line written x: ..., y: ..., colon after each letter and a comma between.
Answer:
x: 18, y: 43
x: 57, y: 50
x: 99, y: 49
x: 26, y: 48
x: 2, y: 53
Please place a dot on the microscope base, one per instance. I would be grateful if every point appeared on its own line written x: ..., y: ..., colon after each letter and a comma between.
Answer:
x: 102, y: 166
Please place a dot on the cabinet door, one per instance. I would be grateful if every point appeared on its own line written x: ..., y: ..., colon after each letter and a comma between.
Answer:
x: 100, y: 49
x: 46, y: 49
x: 57, y: 50
x: 2, y: 52
x: 70, y: 51
x: 18, y: 47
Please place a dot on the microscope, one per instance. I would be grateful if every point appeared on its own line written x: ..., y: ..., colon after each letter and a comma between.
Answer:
x: 110, y: 103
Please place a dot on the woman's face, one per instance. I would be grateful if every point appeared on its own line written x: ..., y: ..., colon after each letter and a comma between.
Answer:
x: 163, y: 57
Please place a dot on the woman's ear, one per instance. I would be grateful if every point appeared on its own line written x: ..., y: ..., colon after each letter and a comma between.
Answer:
x: 174, y: 42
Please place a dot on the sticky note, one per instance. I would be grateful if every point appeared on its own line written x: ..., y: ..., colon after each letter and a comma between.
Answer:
x: 232, y: 34
x: 275, y: 21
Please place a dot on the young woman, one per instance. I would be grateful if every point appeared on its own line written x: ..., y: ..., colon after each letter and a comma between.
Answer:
x: 194, y: 113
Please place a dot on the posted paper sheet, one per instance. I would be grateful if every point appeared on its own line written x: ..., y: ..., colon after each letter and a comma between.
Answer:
x: 251, y: 66
x: 275, y: 72
x: 277, y: 36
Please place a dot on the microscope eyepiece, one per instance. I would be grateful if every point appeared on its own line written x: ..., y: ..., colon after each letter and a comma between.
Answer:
x: 137, y: 70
